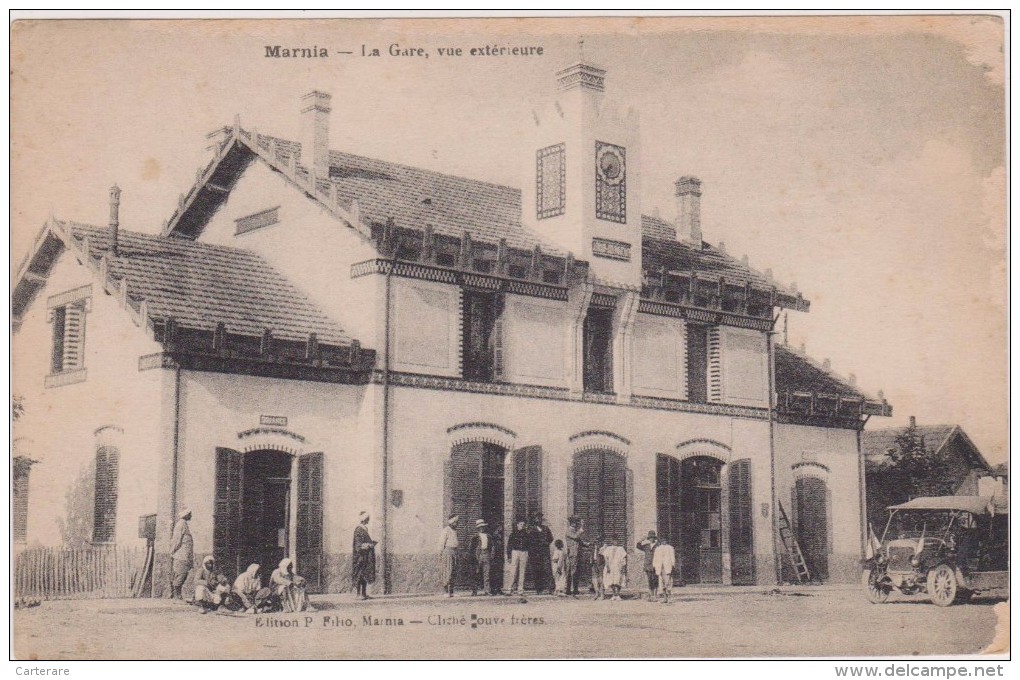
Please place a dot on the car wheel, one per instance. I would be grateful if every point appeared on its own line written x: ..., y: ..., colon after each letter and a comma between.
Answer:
x: 877, y: 593
x: 942, y: 585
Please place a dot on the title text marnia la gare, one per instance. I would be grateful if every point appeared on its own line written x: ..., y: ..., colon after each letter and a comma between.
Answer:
x: 399, y: 50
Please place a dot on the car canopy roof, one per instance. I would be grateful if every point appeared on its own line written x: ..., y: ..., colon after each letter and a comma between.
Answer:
x: 978, y: 505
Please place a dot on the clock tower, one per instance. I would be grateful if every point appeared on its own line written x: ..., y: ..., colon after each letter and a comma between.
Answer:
x: 582, y: 179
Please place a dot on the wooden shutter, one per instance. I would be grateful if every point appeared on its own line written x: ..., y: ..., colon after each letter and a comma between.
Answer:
x: 714, y: 364
x: 19, y: 503
x: 227, y: 511
x: 667, y: 497
x: 811, y: 503
x: 309, y: 519
x: 105, y: 516
x: 527, y: 482
x: 74, y: 336
x: 498, y: 369
x: 741, y: 523
x: 697, y: 363
x: 600, y: 494
x: 57, y: 359
x: 466, y: 487
x: 614, y: 497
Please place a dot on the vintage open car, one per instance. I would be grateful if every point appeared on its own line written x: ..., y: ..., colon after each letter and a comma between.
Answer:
x: 945, y: 547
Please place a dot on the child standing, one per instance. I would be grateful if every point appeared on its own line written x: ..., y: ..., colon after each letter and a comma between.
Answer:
x: 598, y: 566
x: 559, y: 565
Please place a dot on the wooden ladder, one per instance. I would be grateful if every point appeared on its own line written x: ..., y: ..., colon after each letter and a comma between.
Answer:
x: 792, y: 547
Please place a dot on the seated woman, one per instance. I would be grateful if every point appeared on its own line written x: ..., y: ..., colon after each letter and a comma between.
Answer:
x: 206, y: 595
x: 248, y: 588
x: 290, y: 588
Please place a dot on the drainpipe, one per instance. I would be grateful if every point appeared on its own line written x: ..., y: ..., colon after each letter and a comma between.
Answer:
x: 862, y: 489
x: 387, y: 568
x: 176, y: 445
x: 777, y: 558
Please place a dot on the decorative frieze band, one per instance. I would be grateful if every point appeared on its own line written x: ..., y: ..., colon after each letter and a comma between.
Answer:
x: 561, y: 394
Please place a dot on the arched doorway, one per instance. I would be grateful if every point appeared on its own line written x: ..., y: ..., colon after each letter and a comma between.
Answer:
x: 258, y: 517
x: 600, y: 494
x: 811, y: 513
x: 475, y: 490
x: 700, y: 525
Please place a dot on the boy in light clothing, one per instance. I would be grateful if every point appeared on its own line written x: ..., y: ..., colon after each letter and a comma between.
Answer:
x: 663, y: 561
x: 559, y: 566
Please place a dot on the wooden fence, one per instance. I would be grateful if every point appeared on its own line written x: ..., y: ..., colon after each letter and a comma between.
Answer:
x: 61, y: 573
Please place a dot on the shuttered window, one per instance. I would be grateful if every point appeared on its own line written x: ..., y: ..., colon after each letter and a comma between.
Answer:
x: 600, y: 494
x: 482, y: 343
x: 19, y: 503
x: 598, y: 350
x: 741, y: 523
x: 309, y: 519
x: 68, y: 337
x: 227, y: 511
x: 105, y: 517
x: 527, y: 482
x: 697, y: 363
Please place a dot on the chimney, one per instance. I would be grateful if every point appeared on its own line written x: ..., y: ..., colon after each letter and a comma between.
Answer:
x: 688, y: 209
x: 114, y: 219
x: 315, y: 133
x: 913, y: 421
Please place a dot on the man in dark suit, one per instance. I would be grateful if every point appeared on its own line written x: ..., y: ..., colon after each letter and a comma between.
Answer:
x: 482, y: 547
x: 538, y: 553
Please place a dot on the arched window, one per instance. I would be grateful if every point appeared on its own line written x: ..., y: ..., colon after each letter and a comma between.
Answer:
x: 107, y: 472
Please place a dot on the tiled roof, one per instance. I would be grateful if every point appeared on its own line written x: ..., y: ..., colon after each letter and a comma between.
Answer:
x: 417, y: 198
x: 200, y: 284
x: 875, y: 444
x: 796, y: 372
x: 679, y: 256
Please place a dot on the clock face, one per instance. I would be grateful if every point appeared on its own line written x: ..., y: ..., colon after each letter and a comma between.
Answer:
x: 611, y: 165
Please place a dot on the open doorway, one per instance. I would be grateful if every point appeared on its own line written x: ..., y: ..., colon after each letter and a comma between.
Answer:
x: 265, y: 509
x: 254, y: 512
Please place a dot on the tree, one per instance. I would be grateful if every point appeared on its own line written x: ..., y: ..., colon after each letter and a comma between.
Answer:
x: 917, y: 470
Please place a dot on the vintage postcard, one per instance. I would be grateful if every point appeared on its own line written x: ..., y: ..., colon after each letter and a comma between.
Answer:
x: 509, y: 338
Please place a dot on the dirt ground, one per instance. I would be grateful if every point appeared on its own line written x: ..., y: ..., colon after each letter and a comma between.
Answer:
x: 821, y: 621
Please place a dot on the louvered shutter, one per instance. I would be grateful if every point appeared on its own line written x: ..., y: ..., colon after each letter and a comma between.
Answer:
x: 600, y: 494
x: 741, y: 523
x: 57, y: 359
x: 227, y: 511
x: 696, y: 360
x: 309, y: 519
x: 107, y: 473
x: 74, y: 336
x: 614, y: 497
x: 498, y: 369
x: 667, y: 496
x: 466, y: 487
x: 714, y: 364
x: 527, y: 482
x: 811, y: 503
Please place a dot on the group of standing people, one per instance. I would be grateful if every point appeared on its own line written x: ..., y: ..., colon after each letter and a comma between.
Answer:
x: 286, y: 591
x: 556, y: 566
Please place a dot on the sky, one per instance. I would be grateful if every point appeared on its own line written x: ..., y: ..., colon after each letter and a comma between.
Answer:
x: 860, y: 158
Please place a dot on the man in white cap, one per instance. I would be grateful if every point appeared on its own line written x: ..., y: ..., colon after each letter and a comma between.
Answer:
x: 363, y: 558
x: 448, y: 545
x: 483, y: 548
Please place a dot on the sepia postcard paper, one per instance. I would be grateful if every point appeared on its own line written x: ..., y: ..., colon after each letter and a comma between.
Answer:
x: 513, y: 338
